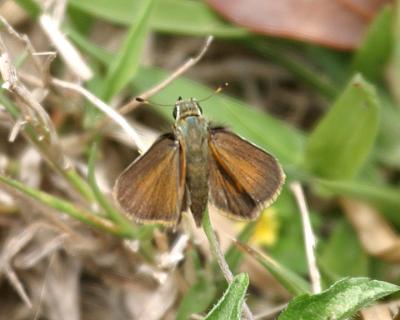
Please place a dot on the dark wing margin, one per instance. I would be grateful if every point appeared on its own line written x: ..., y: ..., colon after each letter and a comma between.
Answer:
x: 151, y: 189
x: 244, y: 179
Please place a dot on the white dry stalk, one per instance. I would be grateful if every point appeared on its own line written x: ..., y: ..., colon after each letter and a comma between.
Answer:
x: 66, y: 49
x: 59, y: 11
x: 175, y: 74
x: 171, y: 259
x: 309, y: 238
x: 114, y: 115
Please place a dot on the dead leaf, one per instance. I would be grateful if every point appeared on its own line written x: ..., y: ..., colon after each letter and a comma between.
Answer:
x: 376, y: 235
x: 340, y: 24
x: 382, y: 311
x: 376, y: 312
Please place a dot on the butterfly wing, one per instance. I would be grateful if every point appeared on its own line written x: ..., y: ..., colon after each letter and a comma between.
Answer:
x: 244, y: 179
x: 151, y: 189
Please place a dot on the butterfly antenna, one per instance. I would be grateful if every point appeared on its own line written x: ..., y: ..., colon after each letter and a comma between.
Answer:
x: 141, y: 100
x: 218, y: 90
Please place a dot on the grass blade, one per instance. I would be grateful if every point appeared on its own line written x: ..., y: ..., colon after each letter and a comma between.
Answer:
x: 126, y: 63
x: 290, y: 280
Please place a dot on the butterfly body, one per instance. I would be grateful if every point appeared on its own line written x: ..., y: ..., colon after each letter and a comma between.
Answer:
x: 192, y: 134
x: 194, y: 165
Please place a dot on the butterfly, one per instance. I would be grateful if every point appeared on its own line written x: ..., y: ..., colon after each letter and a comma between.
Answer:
x: 194, y: 165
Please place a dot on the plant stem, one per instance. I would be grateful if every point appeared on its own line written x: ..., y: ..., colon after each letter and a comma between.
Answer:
x: 217, y: 252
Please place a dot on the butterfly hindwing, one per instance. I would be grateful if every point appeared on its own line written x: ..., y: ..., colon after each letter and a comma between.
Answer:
x: 151, y: 189
x: 243, y: 178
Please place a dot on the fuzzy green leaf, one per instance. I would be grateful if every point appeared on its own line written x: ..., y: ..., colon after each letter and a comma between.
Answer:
x: 230, y: 305
x: 338, y: 302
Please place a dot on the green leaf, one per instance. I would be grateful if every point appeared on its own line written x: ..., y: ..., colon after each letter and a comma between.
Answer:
x: 230, y: 305
x: 197, y: 299
x: 338, y: 302
x: 289, y: 279
x: 342, y: 140
x: 345, y: 244
x: 282, y: 140
x: 126, y: 63
x: 370, y: 59
x: 172, y: 16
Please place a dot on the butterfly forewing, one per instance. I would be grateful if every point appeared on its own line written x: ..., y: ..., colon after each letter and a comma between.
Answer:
x: 151, y: 189
x: 243, y: 178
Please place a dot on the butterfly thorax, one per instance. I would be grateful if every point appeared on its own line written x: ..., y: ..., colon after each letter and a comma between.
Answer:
x: 192, y: 133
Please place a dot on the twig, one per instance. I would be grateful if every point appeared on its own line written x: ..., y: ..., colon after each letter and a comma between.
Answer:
x: 23, y: 38
x: 309, y: 238
x: 120, y: 120
x: 180, y: 70
x: 217, y: 252
x: 67, y: 51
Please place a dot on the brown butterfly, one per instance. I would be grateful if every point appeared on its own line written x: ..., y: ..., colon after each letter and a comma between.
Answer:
x: 193, y: 165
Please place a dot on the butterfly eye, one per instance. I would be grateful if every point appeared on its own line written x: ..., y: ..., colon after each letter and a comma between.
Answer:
x: 175, y: 112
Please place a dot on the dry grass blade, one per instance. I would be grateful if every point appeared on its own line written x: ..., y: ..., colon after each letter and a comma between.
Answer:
x: 17, y: 284
x: 309, y: 238
x: 115, y: 116
x: 67, y: 51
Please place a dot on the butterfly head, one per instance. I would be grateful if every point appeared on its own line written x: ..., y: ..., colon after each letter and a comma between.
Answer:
x: 186, y: 108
